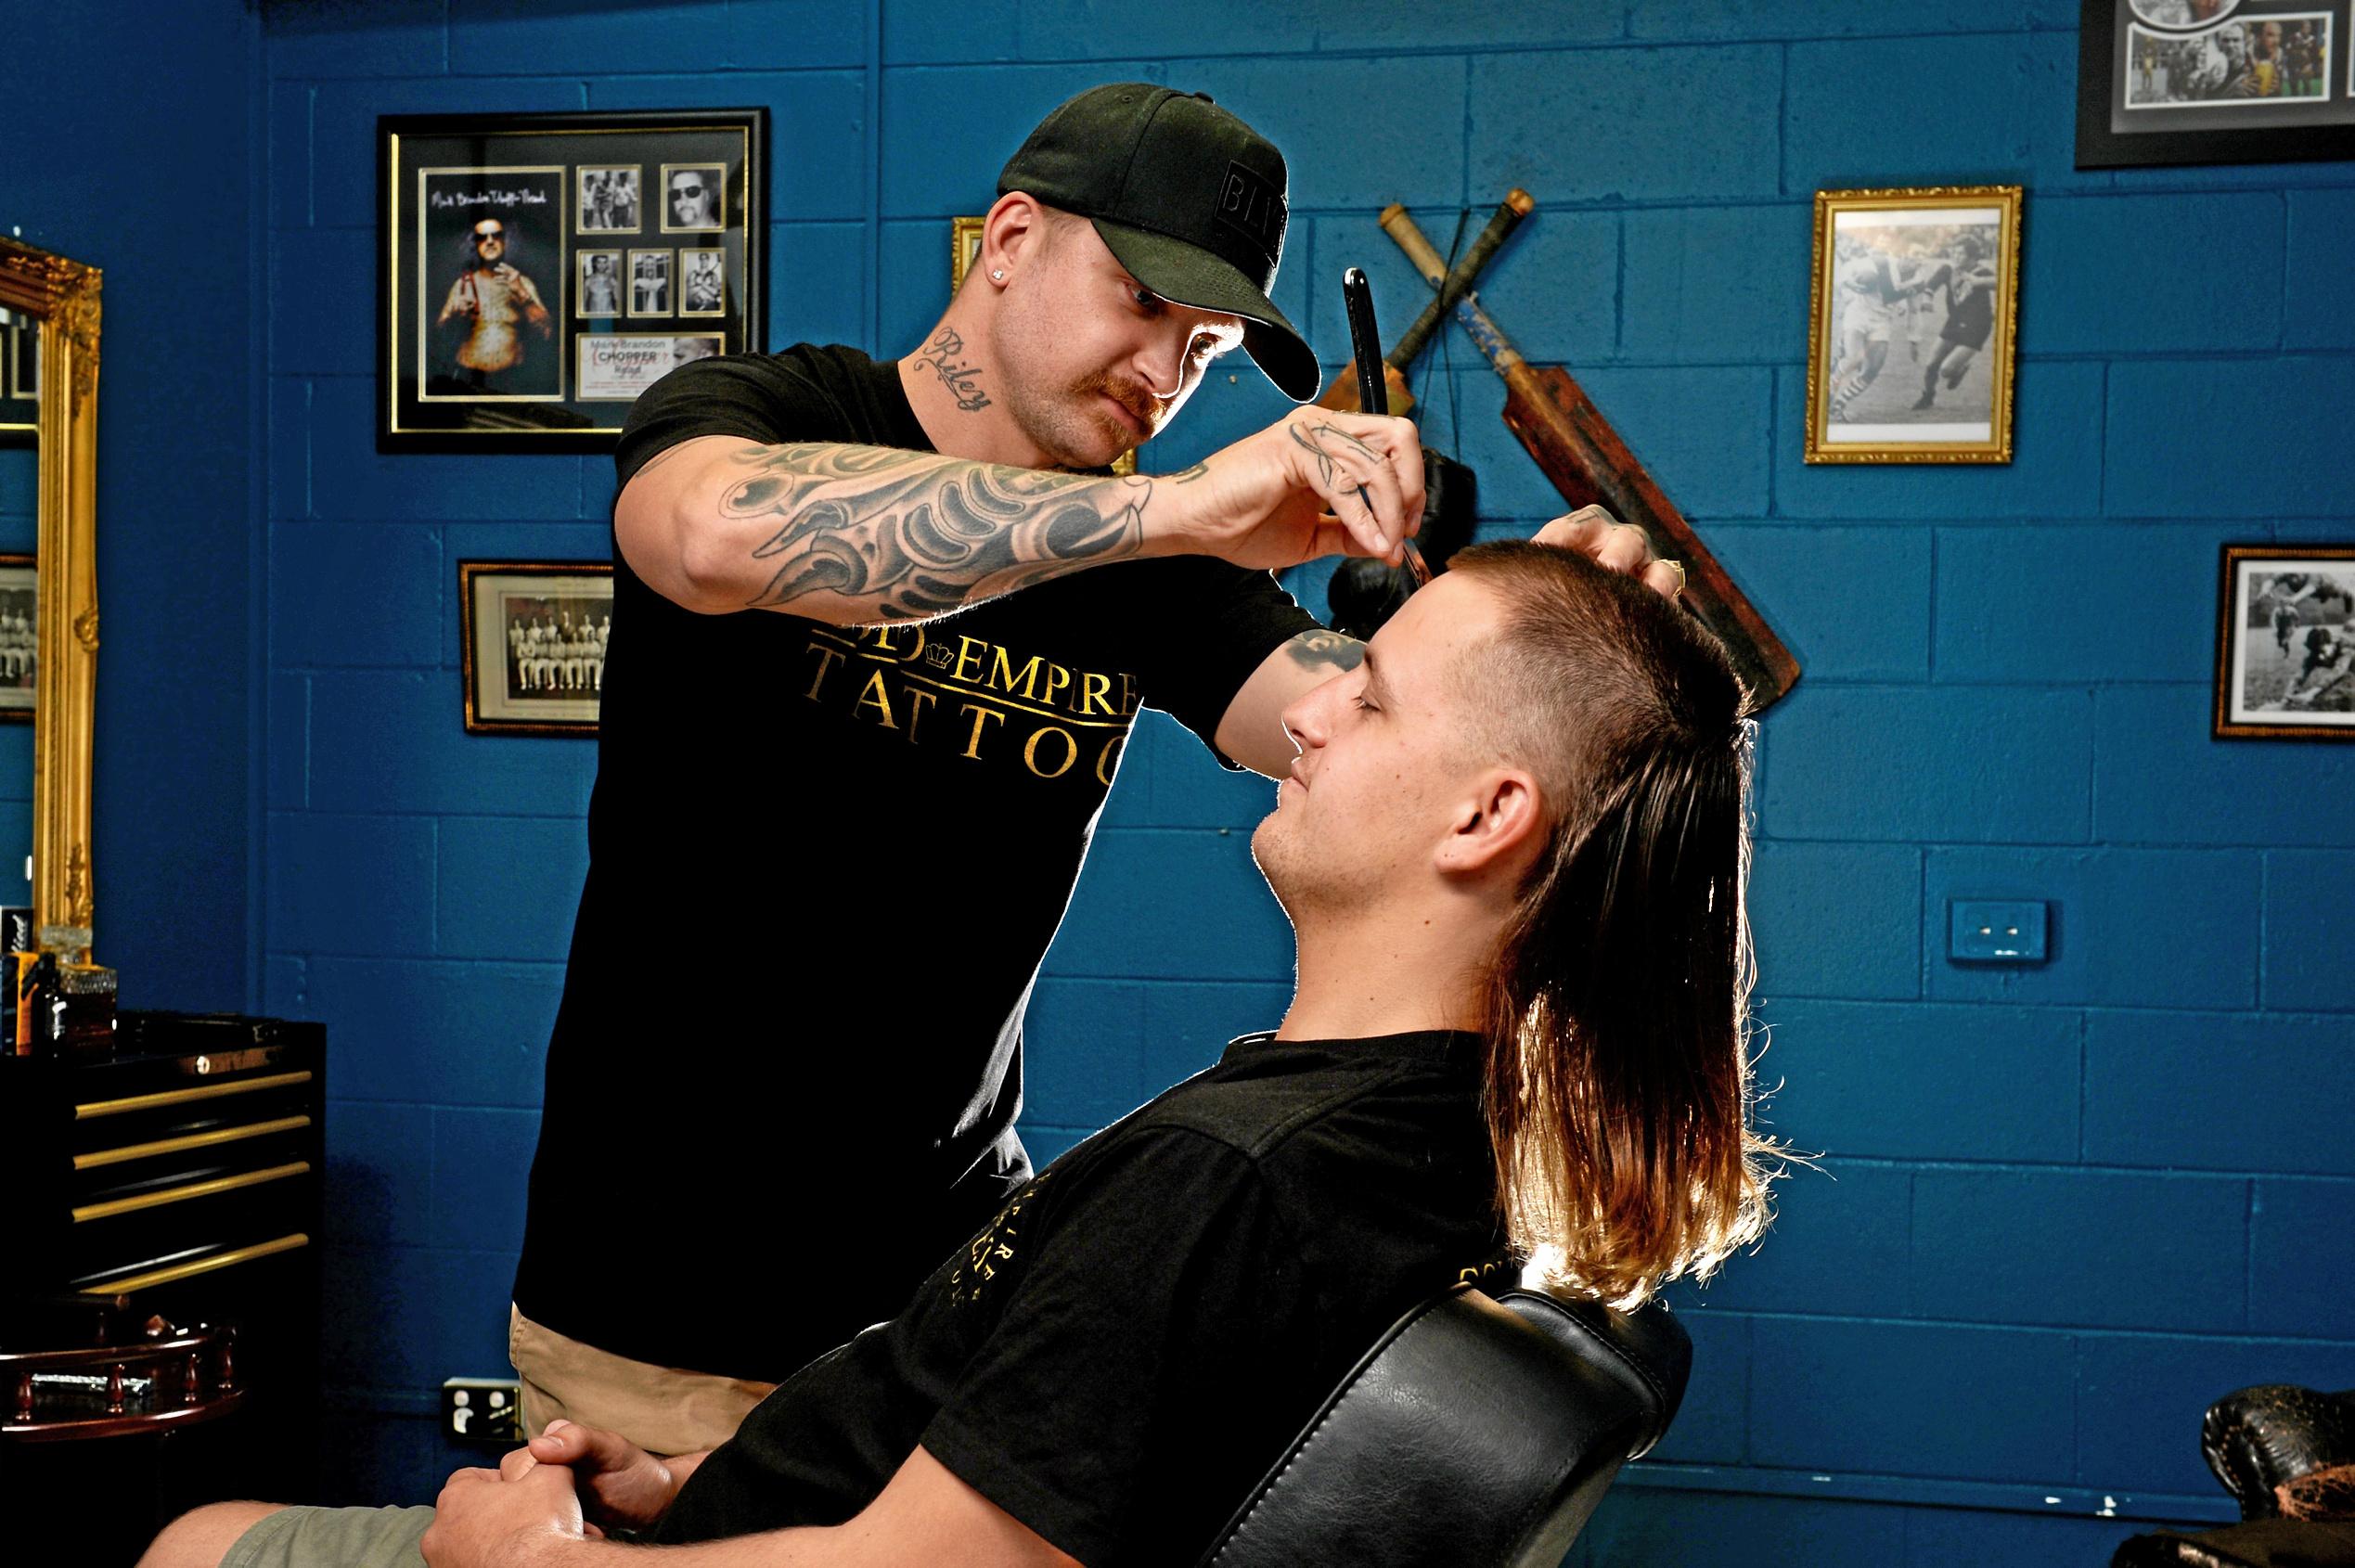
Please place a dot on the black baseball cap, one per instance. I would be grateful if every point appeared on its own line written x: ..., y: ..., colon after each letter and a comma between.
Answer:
x: 1188, y: 198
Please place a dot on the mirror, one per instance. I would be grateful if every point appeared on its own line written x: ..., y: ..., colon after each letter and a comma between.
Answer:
x: 48, y: 506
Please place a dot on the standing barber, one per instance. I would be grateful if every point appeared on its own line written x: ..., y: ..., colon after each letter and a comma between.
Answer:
x: 832, y: 831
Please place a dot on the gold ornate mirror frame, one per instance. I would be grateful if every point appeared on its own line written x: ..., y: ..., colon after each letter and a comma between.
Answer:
x: 63, y: 296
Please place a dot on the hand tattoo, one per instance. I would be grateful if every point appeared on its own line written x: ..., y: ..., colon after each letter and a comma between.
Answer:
x: 1324, y: 649
x: 914, y: 538
x: 962, y: 380
x: 1325, y: 440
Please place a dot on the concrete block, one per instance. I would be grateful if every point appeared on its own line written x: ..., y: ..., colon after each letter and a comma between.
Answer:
x: 1919, y: 1399
x: 350, y: 883
x: 1172, y: 906
x: 1928, y: 764
x: 1619, y: 124
x: 1712, y: 285
x: 391, y: 740
x: 377, y: 1189
x: 2140, y: 1398
x: 1804, y: 582
x: 313, y: 329
x: 1916, y: 1082
x: 2320, y: 312
x: 2208, y: 1091
x: 2158, y: 778
x: 455, y: 1032
x: 482, y: 1163
x: 2140, y: 274
x: 2179, y: 435
x: 2075, y: 604
x: 1839, y: 1246
x: 2309, y: 930
x: 2096, y: 1248
x: 351, y: 479
x: 2301, y: 1254
x: 509, y: 886
x: 1083, y: 1052
x: 1836, y: 920
x: 377, y: 38
x: 317, y: 621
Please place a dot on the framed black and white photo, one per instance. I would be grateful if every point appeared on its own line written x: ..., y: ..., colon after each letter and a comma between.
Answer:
x: 1914, y: 311
x: 511, y: 241
x: 2285, y: 643
x: 651, y: 283
x: 2213, y: 82
x: 20, y: 379
x: 704, y: 283
x: 533, y: 635
x: 598, y: 290
x: 20, y: 646
x: 607, y: 202
x: 694, y: 198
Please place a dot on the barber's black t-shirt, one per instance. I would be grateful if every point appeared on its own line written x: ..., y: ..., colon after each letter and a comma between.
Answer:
x: 1120, y: 1354
x: 823, y: 866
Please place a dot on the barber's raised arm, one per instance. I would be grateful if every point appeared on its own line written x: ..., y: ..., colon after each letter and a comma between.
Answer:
x: 858, y: 535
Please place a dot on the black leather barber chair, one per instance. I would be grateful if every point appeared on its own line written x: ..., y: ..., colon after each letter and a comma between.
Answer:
x: 1478, y: 1432
x: 2287, y: 1456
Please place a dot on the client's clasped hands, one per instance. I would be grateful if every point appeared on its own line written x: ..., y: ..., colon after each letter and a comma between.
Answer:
x: 571, y: 1483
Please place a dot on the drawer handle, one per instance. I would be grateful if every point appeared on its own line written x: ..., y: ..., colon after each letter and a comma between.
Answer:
x: 191, y: 1140
x: 201, y: 1266
x: 181, y: 1194
x: 182, y: 1097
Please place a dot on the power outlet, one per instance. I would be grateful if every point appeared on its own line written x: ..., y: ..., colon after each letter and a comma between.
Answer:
x: 483, y: 1410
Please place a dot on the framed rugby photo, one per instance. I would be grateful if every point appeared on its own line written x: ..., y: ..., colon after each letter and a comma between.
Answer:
x: 532, y: 640
x: 1913, y: 312
x: 2285, y: 643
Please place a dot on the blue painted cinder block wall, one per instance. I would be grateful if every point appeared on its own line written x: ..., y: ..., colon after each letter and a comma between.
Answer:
x: 2059, y: 1211
x: 105, y: 166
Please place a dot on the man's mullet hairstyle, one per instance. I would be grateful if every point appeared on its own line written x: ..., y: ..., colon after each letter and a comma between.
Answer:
x: 1618, y: 1090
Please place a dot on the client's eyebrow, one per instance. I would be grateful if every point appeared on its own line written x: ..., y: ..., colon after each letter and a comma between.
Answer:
x: 1374, y: 677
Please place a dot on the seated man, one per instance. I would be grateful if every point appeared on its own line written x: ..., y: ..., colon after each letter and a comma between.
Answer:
x: 1512, y: 849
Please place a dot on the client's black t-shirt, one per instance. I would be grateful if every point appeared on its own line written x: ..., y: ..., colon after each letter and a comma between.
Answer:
x: 1123, y: 1351
x: 824, y: 863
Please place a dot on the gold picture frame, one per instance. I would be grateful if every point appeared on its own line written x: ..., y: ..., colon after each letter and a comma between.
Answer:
x: 62, y: 296
x: 1936, y: 269
x: 964, y: 250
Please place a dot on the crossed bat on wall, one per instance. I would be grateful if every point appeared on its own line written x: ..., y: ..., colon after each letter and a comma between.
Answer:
x: 1573, y: 443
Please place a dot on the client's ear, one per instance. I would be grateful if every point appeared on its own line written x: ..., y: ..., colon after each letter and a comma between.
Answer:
x: 1499, y: 821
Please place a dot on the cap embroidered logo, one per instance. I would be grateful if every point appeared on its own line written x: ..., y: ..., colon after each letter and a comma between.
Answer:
x: 1249, y: 202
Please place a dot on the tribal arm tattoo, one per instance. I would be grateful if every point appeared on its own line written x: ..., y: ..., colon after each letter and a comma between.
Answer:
x: 895, y: 536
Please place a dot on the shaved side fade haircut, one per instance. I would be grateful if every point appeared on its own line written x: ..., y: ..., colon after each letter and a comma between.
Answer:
x: 1619, y: 1078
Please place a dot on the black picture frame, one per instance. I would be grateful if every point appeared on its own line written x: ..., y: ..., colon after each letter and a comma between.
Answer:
x: 2285, y: 643
x: 2113, y: 131
x: 502, y: 357
x: 532, y: 644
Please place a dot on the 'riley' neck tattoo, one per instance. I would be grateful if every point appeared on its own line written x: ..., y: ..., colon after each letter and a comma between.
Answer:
x: 962, y: 380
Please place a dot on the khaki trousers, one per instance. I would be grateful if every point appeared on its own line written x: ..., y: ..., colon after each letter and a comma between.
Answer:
x: 662, y: 1410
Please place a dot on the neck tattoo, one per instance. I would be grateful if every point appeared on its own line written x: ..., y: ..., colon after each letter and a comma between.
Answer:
x: 962, y: 380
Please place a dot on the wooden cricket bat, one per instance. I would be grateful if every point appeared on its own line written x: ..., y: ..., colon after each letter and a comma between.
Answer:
x: 1589, y: 465
x: 1343, y: 393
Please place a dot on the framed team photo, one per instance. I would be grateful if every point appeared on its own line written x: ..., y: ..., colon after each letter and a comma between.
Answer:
x: 2285, y: 643
x: 511, y: 241
x: 20, y: 379
x: 1914, y: 311
x: 649, y: 283
x: 608, y: 202
x: 694, y: 198
x: 18, y: 644
x: 532, y: 635
x: 596, y: 292
x: 2213, y: 82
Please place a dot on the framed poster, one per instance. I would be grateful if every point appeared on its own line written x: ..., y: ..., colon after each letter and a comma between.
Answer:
x: 526, y: 295
x: 2213, y: 82
x: 1914, y: 309
x: 2285, y: 643
x: 533, y: 640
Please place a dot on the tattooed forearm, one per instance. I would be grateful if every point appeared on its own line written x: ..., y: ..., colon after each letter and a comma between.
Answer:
x: 1325, y: 651
x: 962, y: 380
x: 1187, y: 476
x: 903, y: 536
